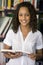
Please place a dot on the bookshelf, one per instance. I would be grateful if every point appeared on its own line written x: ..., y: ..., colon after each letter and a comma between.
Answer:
x: 10, y: 5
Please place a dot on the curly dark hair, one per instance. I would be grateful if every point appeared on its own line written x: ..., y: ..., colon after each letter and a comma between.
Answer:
x: 33, y: 17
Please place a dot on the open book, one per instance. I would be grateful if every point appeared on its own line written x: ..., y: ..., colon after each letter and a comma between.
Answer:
x: 13, y: 51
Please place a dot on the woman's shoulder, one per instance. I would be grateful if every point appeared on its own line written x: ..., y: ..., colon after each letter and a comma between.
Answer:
x: 38, y: 33
x: 11, y: 32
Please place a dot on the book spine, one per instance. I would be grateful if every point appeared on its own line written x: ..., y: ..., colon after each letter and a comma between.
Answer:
x: 33, y: 1
x: 9, y: 4
x: 15, y: 2
x: 2, y: 4
x: 5, y: 4
x: 21, y: 0
x: 35, y: 4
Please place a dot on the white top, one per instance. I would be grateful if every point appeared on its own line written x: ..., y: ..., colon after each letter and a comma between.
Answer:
x: 32, y: 42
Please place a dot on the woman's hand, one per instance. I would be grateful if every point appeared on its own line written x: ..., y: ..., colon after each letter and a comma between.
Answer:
x: 16, y: 55
x: 32, y: 56
x: 13, y: 55
x: 37, y: 55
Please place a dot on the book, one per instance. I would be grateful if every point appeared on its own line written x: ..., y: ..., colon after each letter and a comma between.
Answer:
x: 9, y: 4
x: 0, y: 4
x: 21, y: 0
x: 16, y: 2
x: 14, y: 51
x: 8, y: 26
x: 4, y: 24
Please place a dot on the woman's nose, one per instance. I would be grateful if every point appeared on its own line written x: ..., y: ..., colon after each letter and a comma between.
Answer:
x: 24, y: 17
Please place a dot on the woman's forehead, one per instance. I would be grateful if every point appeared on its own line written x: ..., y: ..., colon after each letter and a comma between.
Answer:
x: 23, y: 8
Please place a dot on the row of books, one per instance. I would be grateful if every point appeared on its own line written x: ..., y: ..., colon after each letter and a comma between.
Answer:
x: 10, y: 4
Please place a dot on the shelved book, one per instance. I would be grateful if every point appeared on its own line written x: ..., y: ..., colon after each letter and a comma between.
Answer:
x: 0, y: 4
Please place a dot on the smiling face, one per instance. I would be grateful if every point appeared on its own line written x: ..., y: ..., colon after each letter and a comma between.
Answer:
x: 24, y: 16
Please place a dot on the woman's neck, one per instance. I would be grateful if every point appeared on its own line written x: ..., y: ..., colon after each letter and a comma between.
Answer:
x: 25, y: 30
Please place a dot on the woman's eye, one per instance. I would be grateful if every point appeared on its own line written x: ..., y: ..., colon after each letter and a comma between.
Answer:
x: 20, y: 14
x: 26, y: 14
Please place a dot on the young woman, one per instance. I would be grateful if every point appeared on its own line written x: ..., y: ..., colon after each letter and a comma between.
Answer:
x: 24, y: 36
